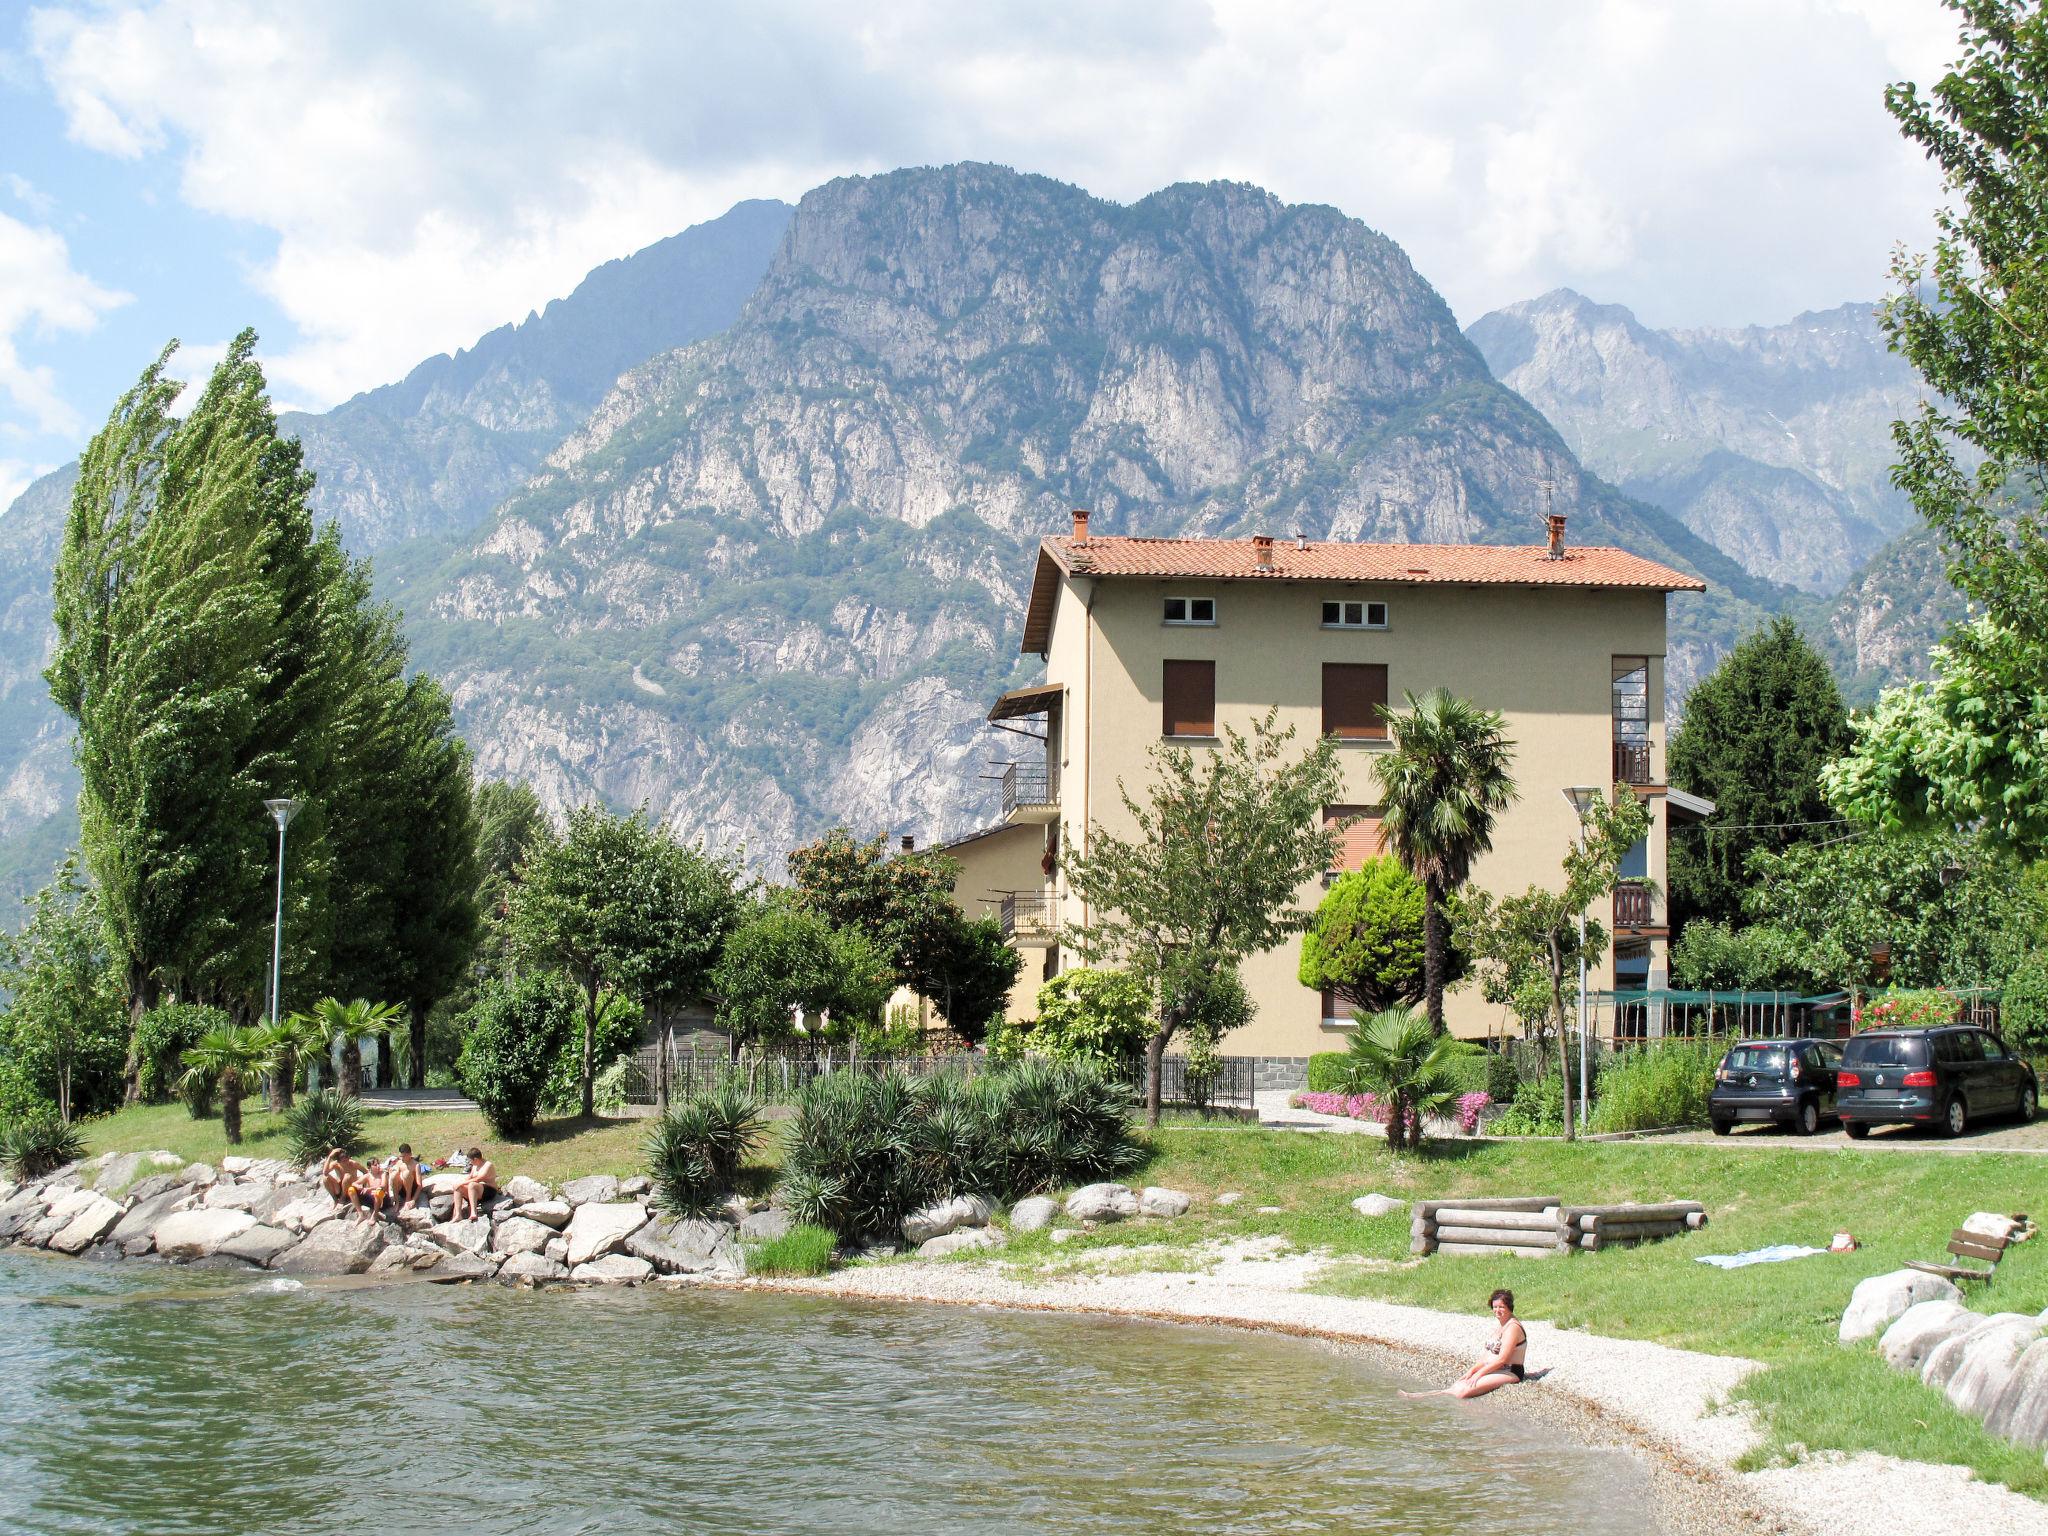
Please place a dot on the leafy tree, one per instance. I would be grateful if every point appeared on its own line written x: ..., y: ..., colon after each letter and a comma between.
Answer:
x: 511, y: 1038
x: 1445, y: 782
x: 510, y: 827
x: 1399, y: 1058
x: 1972, y: 317
x: 159, y: 1042
x: 350, y: 1024
x: 973, y: 975
x: 1367, y: 941
x: 2023, y: 1010
x: 1713, y: 956
x: 1528, y: 945
x: 1221, y: 847
x: 228, y: 1058
x: 1755, y: 736
x: 1086, y: 1014
x: 618, y: 1031
x: 63, y: 1037
x: 436, y: 919
x: 618, y: 904
x: 784, y: 956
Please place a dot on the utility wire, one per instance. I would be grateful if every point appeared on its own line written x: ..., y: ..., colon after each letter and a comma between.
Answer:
x: 1756, y: 826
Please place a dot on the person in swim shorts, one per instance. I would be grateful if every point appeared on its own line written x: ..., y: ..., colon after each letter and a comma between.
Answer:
x: 1503, y: 1365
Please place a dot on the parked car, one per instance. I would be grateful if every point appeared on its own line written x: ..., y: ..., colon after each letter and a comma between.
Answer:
x: 1943, y: 1077
x: 1788, y: 1082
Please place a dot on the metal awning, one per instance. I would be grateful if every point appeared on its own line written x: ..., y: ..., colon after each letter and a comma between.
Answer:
x: 1038, y: 700
x: 1686, y: 807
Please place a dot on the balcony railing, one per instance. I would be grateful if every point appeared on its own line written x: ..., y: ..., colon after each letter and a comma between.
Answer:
x: 1632, y: 762
x: 1029, y: 787
x: 1027, y: 916
x: 1631, y: 905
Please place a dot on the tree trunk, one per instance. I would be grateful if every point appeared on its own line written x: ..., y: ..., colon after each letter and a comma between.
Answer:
x: 1564, y: 1060
x: 351, y: 1069
x: 1433, y: 946
x: 64, y: 1090
x: 138, y: 1005
x: 590, y: 1051
x: 286, y: 1079
x: 416, y: 1071
x: 1155, y: 1064
x: 231, y: 1108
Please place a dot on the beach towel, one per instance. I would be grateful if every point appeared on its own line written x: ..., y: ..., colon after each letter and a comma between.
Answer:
x: 1778, y: 1253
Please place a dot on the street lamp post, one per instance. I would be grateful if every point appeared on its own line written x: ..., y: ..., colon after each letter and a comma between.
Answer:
x: 282, y: 811
x: 1583, y: 798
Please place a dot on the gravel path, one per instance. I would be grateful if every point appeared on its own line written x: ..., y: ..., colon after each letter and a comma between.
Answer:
x: 1657, y: 1400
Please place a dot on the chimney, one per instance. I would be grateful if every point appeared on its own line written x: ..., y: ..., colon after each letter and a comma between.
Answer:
x: 1300, y: 540
x: 1080, y: 523
x: 1262, y: 550
x: 1555, y: 522
x: 909, y: 843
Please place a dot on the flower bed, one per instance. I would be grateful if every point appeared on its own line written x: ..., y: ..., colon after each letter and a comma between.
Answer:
x: 1366, y: 1106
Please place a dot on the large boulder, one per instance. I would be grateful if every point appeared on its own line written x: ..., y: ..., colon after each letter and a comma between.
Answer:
x: 306, y: 1212
x: 260, y: 1245
x: 87, y: 1226
x: 549, y: 1213
x: 2019, y: 1412
x: 960, y: 1242
x: 197, y: 1175
x: 234, y: 1195
x: 1033, y: 1214
x: 532, y: 1269
x: 472, y: 1236
x: 1942, y: 1361
x: 688, y: 1247
x: 1988, y: 1358
x: 601, y: 1228
x: 1102, y: 1202
x: 1991, y: 1224
x: 1876, y: 1301
x: 462, y: 1265
x: 1376, y: 1205
x: 334, y: 1248
x: 521, y: 1190
x: 766, y: 1226
x: 937, y: 1219
x: 1155, y: 1201
x: 612, y: 1269
x: 143, y: 1215
x: 597, y: 1189
x: 150, y: 1187
x: 236, y: 1166
x: 118, y: 1172
x: 1921, y: 1327
x: 518, y: 1235
x: 70, y: 1203
x: 635, y: 1187
x: 199, y: 1234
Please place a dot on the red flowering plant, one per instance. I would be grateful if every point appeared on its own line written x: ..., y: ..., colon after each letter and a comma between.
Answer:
x: 1906, y: 1010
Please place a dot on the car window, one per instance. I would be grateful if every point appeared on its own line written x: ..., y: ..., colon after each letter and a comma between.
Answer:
x: 1886, y: 1051
x: 1993, y: 1047
x: 1969, y: 1045
x: 1757, y: 1058
x: 1830, y: 1056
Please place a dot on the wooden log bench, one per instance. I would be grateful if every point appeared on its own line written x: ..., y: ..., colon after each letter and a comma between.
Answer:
x: 1965, y: 1244
x: 1539, y: 1226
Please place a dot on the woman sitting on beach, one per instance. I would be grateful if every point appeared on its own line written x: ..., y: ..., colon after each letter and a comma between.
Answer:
x: 1503, y: 1365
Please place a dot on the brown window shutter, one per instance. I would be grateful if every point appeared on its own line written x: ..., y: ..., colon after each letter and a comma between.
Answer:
x: 1352, y: 697
x: 1190, y: 699
x: 1359, y: 841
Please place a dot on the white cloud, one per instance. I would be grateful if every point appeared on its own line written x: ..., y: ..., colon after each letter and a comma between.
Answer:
x: 432, y: 172
x: 16, y: 476
x: 42, y: 294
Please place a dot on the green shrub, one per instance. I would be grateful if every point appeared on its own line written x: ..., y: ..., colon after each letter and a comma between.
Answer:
x: 38, y: 1145
x: 801, y: 1252
x: 618, y: 1031
x: 1537, y: 1109
x: 1085, y: 1014
x: 2023, y: 1010
x: 1365, y: 942
x: 1648, y: 1087
x: 200, y: 1091
x: 695, y: 1150
x: 1326, y: 1071
x: 321, y: 1121
x: 162, y: 1036
x: 512, y: 1037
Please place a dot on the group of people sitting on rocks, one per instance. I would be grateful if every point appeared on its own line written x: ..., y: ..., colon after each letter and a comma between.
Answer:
x: 400, y: 1181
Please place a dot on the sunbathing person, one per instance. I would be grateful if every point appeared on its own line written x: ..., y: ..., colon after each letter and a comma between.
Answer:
x: 402, y: 1175
x: 372, y: 1185
x: 339, y: 1172
x: 1503, y: 1365
x: 482, y: 1181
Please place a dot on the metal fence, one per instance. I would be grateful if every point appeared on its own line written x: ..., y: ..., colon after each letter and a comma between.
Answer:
x: 777, y: 1077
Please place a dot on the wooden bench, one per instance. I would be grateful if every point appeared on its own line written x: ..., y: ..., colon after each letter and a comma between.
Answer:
x: 1965, y: 1244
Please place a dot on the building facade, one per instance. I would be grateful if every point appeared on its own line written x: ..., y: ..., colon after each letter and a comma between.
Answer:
x: 1150, y: 640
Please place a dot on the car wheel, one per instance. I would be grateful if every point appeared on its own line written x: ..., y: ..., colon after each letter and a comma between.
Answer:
x: 1855, y: 1129
x: 2028, y: 1104
x: 1956, y: 1118
x: 1722, y: 1127
x: 1809, y: 1117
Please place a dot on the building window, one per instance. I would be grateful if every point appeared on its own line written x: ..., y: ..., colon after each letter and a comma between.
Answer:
x: 1359, y: 841
x: 1191, y: 610
x: 1345, y: 615
x: 1631, y: 708
x: 1189, y: 695
x: 1635, y: 864
x: 1354, y: 701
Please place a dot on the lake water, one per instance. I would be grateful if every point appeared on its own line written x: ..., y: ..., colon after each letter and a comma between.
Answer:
x: 147, y: 1399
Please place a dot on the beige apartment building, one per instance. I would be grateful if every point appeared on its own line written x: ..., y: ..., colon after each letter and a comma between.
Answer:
x: 1150, y: 640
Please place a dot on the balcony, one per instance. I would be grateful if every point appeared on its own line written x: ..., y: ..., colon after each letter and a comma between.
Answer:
x: 1632, y: 905
x: 1031, y: 793
x: 1029, y: 919
x: 1632, y: 762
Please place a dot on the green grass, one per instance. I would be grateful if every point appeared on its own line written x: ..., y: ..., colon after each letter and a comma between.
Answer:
x: 800, y: 1252
x: 1814, y: 1393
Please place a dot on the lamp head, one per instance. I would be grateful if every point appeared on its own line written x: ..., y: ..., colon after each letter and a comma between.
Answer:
x: 1583, y: 797
x: 282, y: 811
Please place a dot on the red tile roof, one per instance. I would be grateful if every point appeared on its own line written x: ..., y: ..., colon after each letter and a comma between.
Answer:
x: 1521, y: 565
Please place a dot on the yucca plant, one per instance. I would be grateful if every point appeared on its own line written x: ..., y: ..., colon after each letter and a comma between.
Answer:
x: 851, y: 1161
x: 321, y: 1121
x: 352, y: 1023
x: 229, y: 1058
x: 39, y: 1145
x: 695, y: 1150
x: 1397, y: 1057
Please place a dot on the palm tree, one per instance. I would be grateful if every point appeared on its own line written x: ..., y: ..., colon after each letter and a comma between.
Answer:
x: 1399, y: 1058
x: 231, y: 1058
x: 352, y: 1023
x: 293, y: 1041
x: 1443, y: 784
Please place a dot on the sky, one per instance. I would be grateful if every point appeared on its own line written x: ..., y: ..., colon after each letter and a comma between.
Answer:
x: 370, y: 182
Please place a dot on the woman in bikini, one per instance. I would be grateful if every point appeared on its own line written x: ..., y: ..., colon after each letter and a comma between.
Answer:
x: 1502, y: 1366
